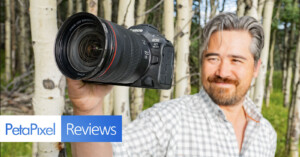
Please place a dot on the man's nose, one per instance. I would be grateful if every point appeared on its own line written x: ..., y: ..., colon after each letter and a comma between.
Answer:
x: 223, y: 69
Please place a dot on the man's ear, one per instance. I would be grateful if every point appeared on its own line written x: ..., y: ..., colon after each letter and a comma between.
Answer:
x: 257, y: 68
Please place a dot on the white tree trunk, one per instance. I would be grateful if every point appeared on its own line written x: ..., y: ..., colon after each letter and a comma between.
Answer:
x: 13, y: 38
x: 7, y: 41
x: 168, y: 27
x: 49, y: 83
x: 253, y: 10
x: 126, y: 13
x: 108, y: 99
x: 261, y: 78
x: 70, y: 7
x: 182, y: 48
x: 297, y: 66
x: 271, y: 64
x: 140, y: 11
x: 137, y: 103
x: 213, y: 7
x: 78, y: 6
x: 253, y: 13
x: 121, y: 93
x: 23, y: 38
x: 240, y: 8
x: 92, y: 6
x: 107, y: 6
x: 136, y: 107
x: 261, y: 4
x: 296, y: 117
x: 288, y: 85
x: 108, y: 104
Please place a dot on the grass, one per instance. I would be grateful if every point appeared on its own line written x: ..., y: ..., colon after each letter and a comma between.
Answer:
x: 275, y: 113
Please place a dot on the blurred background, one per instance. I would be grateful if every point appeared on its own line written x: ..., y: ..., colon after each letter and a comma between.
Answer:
x: 32, y: 84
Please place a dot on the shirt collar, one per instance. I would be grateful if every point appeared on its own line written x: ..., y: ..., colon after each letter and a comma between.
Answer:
x: 213, y: 111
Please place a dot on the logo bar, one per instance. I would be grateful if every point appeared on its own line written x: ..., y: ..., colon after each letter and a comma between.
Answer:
x: 60, y: 128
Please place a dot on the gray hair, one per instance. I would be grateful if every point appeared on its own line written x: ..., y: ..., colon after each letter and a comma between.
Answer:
x: 230, y: 21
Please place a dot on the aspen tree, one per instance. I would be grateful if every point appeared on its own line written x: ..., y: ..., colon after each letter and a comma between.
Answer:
x: 137, y: 104
x: 182, y: 49
x: 23, y: 37
x: 121, y: 93
x: 261, y: 78
x: 108, y: 99
x: 70, y: 7
x: 7, y: 41
x: 49, y: 83
x: 92, y: 6
x: 168, y: 28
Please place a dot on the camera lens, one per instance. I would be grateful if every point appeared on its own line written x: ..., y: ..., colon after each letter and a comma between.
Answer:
x: 93, y: 49
x: 86, y: 48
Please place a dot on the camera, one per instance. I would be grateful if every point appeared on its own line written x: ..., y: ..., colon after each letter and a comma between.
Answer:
x: 95, y: 50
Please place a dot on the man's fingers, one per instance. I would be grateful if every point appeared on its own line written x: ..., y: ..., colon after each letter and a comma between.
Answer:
x: 74, y: 84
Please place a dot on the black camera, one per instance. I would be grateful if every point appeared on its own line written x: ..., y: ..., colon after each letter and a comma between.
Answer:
x: 94, y: 50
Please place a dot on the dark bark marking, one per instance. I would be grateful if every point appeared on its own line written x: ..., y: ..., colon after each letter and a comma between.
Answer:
x: 48, y: 84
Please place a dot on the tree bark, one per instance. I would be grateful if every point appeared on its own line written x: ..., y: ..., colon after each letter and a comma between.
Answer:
x: 284, y: 70
x: 78, y: 6
x: 13, y: 38
x: 168, y: 27
x: 70, y: 8
x: 261, y: 78
x: 295, y: 127
x: 182, y: 49
x: 121, y: 93
x: 213, y: 7
x: 107, y: 6
x: 137, y: 104
x: 92, y: 6
x: 271, y: 64
x: 140, y: 11
x: 200, y: 47
x: 49, y: 87
x: 206, y: 8
x: 7, y: 41
x: 261, y: 4
x: 108, y: 99
x: 289, y: 62
x: 23, y: 37
x: 252, y: 11
x: 240, y: 8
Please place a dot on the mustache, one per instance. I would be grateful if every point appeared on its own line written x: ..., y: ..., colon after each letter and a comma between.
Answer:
x: 218, y: 79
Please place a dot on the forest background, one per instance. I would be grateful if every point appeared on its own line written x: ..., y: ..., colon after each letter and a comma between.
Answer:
x: 30, y: 80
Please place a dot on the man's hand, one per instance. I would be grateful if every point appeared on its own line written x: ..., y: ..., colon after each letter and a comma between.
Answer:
x: 87, y: 98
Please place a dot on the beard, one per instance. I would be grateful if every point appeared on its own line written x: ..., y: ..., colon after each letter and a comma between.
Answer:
x: 225, y: 96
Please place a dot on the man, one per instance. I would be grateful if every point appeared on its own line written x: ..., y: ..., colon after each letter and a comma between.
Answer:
x: 219, y: 121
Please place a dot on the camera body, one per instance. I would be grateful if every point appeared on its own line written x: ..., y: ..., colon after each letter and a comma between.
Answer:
x: 159, y: 73
x: 98, y: 51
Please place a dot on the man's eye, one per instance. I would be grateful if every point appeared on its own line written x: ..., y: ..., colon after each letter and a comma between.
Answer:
x: 237, y: 61
x: 213, y: 59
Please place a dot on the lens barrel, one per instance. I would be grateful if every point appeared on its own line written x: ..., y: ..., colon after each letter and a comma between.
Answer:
x: 93, y: 49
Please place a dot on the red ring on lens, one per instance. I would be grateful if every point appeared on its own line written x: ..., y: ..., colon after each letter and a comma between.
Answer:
x: 114, y: 52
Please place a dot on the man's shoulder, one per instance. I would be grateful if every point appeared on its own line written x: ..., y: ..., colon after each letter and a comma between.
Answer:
x: 267, y: 127
x: 184, y: 102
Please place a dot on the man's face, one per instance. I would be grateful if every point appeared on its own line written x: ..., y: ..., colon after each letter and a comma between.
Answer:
x: 228, y: 67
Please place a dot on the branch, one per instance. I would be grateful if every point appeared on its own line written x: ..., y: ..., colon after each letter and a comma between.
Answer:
x: 150, y: 10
